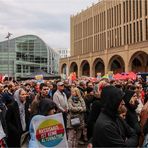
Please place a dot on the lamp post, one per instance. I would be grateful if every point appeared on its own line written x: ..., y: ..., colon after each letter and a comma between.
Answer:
x: 8, y: 36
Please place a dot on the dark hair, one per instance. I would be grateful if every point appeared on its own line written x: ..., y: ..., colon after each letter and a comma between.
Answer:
x: 45, y: 106
x: 27, y: 84
x: 42, y: 85
x: 10, y: 86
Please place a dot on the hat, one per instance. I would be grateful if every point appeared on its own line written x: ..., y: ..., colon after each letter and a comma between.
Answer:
x: 60, y: 83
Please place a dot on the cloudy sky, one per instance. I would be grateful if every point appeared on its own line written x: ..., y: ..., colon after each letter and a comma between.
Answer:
x: 49, y: 19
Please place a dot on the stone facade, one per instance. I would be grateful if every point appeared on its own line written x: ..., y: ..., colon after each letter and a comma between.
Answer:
x: 109, y: 36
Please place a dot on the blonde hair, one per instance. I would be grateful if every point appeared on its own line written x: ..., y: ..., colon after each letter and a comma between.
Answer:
x: 75, y: 89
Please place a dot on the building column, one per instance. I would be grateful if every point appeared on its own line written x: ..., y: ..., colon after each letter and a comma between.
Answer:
x: 122, y: 27
x: 78, y: 70
x: 143, y: 20
x: 68, y: 68
x: 126, y: 59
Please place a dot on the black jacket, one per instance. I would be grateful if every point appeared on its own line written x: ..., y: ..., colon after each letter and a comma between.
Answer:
x: 108, y: 132
x: 3, y: 110
x: 131, y: 116
x: 14, y: 124
x: 96, y: 108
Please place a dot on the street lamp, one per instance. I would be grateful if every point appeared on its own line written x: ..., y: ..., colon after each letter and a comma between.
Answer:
x: 8, y: 36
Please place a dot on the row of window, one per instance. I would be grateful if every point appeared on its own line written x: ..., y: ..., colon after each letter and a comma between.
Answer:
x: 133, y: 32
x: 132, y: 10
x: 112, y: 37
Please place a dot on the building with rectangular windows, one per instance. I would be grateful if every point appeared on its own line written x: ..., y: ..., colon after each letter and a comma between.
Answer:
x: 111, y: 35
x: 64, y: 53
x: 22, y: 56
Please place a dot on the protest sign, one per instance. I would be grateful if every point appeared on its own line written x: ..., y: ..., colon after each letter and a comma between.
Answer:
x: 50, y: 131
x: 98, y: 76
x: 146, y: 78
x: 39, y: 79
x: 110, y: 75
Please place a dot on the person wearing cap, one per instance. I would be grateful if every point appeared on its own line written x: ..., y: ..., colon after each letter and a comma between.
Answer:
x: 60, y: 99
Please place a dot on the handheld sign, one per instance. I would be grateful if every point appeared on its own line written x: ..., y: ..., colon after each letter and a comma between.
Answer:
x: 50, y: 131
x: 110, y: 75
x: 146, y: 78
x: 39, y: 79
x: 98, y: 76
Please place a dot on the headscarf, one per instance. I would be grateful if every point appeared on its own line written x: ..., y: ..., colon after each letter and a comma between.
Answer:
x: 112, y: 98
x: 21, y: 106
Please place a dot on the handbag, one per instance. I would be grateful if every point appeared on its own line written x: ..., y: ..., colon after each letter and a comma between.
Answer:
x: 25, y: 139
x: 75, y: 121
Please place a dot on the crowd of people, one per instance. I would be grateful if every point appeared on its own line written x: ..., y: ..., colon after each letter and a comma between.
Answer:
x: 104, y: 113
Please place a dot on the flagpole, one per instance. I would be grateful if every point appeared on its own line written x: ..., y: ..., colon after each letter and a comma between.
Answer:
x: 8, y: 36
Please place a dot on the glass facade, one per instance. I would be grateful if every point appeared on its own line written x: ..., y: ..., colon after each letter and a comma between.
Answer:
x: 23, y: 55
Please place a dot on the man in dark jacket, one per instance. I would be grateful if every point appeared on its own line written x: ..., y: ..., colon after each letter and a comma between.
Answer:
x: 108, y: 131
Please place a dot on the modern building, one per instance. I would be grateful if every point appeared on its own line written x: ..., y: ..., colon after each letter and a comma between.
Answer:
x: 111, y: 35
x: 22, y: 56
x: 64, y: 52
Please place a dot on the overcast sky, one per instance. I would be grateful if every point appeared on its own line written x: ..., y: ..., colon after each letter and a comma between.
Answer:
x: 49, y: 19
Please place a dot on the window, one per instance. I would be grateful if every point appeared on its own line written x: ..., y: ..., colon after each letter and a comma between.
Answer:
x: 124, y: 12
x: 120, y: 14
x: 130, y: 33
x: 141, y: 34
x: 134, y: 32
x: 130, y: 14
x: 137, y: 9
x: 137, y: 31
x: 133, y: 9
x: 145, y: 7
x: 140, y: 1
x: 115, y: 14
x: 127, y: 34
x: 124, y: 35
x: 18, y: 68
x: 146, y: 21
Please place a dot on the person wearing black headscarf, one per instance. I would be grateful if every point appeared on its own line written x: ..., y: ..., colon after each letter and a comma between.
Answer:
x: 95, y: 110
x: 108, y: 131
x: 131, y: 103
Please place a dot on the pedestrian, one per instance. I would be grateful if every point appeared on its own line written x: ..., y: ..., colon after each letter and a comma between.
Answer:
x: 131, y: 103
x: 3, y: 126
x: 16, y: 119
x: 108, y: 132
x: 75, y: 122
x: 46, y: 107
x: 145, y: 131
x: 60, y: 99
x: 41, y: 95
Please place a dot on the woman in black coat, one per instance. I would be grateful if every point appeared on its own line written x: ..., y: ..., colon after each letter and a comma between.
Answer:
x: 17, y: 119
x: 95, y: 110
x: 131, y: 104
x: 109, y: 130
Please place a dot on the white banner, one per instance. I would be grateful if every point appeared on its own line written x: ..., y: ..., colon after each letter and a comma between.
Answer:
x: 50, y: 131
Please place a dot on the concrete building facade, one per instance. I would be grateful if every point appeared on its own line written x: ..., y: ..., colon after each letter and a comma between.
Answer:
x: 109, y: 36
